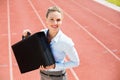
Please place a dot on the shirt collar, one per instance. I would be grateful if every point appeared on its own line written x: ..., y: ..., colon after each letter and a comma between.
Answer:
x: 55, y: 39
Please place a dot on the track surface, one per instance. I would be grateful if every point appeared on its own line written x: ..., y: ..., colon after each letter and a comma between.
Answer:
x: 94, y: 28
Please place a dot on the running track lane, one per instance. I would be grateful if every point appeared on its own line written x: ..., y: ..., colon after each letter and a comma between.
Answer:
x: 99, y: 64
x: 4, y: 59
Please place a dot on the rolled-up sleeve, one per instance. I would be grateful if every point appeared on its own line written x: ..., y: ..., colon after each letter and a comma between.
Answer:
x: 73, y: 58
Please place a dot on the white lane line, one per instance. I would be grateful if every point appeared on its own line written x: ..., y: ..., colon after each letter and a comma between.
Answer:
x: 5, y: 34
x: 6, y: 65
x: 104, y: 19
x: 90, y: 34
x: 74, y: 74
x: 3, y: 65
x: 108, y: 4
x: 72, y: 71
x: 9, y: 41
x: 37, y: 14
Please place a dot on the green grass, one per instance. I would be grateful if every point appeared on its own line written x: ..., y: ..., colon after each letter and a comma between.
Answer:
x: 116, y: 2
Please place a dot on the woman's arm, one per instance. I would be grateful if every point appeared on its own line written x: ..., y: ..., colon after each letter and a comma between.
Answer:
x: 73, y: 59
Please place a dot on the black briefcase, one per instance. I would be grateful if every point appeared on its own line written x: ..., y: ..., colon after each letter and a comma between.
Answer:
x: 32, y: 52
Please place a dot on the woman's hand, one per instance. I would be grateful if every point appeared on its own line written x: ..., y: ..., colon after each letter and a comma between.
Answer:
x: 26, y: 33
x: 42, y: 68
x: 47, y: 67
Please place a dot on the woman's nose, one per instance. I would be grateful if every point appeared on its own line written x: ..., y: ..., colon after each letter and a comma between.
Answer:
x: 55, y: 22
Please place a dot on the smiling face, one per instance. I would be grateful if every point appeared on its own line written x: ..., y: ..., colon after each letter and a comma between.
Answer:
x: 54, y: 21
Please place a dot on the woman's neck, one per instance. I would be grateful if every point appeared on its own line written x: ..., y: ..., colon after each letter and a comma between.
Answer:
x: 52, y: 34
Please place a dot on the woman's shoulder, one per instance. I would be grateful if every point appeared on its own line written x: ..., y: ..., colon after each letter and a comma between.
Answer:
x: 44, y: 30
x: 66, y: 40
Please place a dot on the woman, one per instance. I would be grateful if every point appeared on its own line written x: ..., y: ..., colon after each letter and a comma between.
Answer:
x: 61, y: 46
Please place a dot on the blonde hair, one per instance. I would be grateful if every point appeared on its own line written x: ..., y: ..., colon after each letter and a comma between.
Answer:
x: 53, y: 9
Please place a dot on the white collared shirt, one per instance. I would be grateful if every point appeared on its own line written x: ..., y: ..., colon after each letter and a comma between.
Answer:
x: 63, y: 46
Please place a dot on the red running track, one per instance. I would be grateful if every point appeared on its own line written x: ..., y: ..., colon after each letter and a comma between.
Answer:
x: 94, y: 28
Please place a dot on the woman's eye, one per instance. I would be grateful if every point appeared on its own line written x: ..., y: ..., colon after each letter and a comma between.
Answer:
x: 51, y: 19
x: 58, y: 20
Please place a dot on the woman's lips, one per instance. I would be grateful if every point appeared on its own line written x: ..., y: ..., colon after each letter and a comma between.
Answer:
x: 54, y: 26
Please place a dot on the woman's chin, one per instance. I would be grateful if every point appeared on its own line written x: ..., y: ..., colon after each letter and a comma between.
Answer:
x: 55, y: 29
